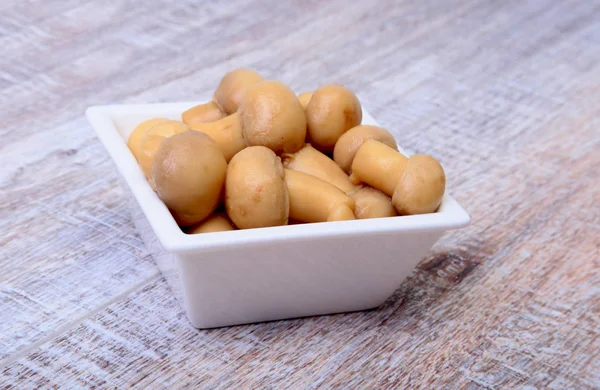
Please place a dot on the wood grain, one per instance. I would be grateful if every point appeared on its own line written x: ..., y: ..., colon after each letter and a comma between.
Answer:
x: 505, y: 94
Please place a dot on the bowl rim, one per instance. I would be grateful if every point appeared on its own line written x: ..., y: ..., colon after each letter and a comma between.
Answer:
x: 102, y: 119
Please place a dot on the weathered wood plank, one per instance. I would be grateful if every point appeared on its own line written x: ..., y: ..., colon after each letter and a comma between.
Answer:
x: 503, y: 93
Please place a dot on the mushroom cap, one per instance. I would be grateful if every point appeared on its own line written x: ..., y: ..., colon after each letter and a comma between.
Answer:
x: 372, y: 203
x: 189, y: 172
x: 151, y: 141
x: 135, y: 138
x: 255, y: 192
x: 273, y: 117
x: 421, y: 186
x: 332, y: 110
x: 228, y: 94
x: 349, y: 142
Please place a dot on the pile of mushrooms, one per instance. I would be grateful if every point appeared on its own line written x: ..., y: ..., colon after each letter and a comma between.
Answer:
x: 258, y: 155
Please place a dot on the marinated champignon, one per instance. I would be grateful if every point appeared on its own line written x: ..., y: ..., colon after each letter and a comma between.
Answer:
x: 151, y: 141
x: 218, y: 222
x: 133, y: 142
x: 331, y: 111
x: 269, y: 115
x: 226, y: 98
x: 372, y: 203
x: 417, y: 184
x: 226, y: 133
x: 189, y: 172
x: 311, y: 161
x: 350, y: 141
x: 421, y: 186
x: 378, y: 165
x: 255, y: 192
x: 273, y: 117
x: 315, y: 200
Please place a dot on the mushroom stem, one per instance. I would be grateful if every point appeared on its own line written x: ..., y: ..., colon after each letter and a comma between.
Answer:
x: 315, y: 200
x: 378, y: 165
x: 202, y: 113
x: 226, y: 98
x: 310, y: 160
x: 226, y: 132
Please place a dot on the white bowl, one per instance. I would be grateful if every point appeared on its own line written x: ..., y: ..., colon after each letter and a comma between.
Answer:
x: 254, y: 275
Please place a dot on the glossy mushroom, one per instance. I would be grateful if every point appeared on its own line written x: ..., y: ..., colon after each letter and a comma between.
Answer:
x: 331, y: 111
x: 421, y: 187
x: 226, y: 98
x: 349, y: 142
x: 133, y: 142
x: 189, y: 172
x: 269, y: 115
x: 372, y: 203
x: 151, y: 141
x: 315, y: 200
x: 311, y: 161
x: 416, y: 184
x: 255, y: 192
x: 378, y: 165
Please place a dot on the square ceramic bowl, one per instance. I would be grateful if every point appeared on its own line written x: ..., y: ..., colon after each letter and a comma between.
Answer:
x: 245, y: 276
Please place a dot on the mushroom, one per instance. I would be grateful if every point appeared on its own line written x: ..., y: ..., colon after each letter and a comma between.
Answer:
x: 331, y: 111
x: 226, y: 98
x: 350, y: 141
x: 378, y: 165
x: 255, y: 192
x: 218, y: 222
x: 311, y: 161
x: 315, y: 200
x: 151, y: 141
x: 135, y: 138
x: 416, y: 184
x: 226, y: 133
x: 372, y: 203
x: 269, y: 115
x: 304, y: 98
x: 421, y: 187
x: 189, y: 172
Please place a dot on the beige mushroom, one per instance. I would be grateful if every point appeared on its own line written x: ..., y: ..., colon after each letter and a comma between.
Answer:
x: 378, y: 165
x: 416, y: 184
x: 315, y: 200
x: 226, y: 133
x: 331, y: 111
x: 372, y: 203
x: 421, y: 186
x: 311, y: 161
x: 350, y: 141
x: 269, y: 115
x: 255, y: 191
x: 151, y: 141
x: 226, y: 98
x: 135, y: 138
x: 218, y: 222
x: 189, y: 172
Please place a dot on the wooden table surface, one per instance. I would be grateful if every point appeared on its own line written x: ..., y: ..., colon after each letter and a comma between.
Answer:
x: 505, y: 93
